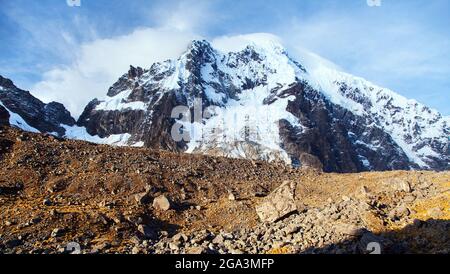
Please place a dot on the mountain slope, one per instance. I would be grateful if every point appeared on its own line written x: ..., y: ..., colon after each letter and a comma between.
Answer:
x: 263, y: 104
x: 19, y: 108
x: 269, y: 106
x: 256, y: 103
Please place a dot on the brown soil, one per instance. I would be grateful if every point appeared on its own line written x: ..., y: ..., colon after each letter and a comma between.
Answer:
x: 91, y: 192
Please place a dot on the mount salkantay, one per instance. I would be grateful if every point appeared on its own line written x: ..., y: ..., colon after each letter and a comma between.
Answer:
x: 272, y: 160
x: 268, y: 106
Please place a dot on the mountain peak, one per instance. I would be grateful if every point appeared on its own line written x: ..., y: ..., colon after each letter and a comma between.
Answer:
x: 199, y: 43
x: 199, y: 49
x: 6, y: 83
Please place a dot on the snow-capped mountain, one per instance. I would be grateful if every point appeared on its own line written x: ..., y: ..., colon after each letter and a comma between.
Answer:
x: 270, y: 106
x: 21, y: 109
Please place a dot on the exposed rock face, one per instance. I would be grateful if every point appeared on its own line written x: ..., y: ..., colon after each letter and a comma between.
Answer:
x: 4, y: 116
x: 270, y: 107
x: 337, y: 137
x: 30, y: 112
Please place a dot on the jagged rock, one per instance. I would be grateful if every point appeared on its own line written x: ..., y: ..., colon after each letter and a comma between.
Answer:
x: 219, y: 239
x: 43, y: 117
x: 174, y: 246
x: 161, y: 203
x: 399, y: 212
x: 278, y: 204
x: 136, y: 250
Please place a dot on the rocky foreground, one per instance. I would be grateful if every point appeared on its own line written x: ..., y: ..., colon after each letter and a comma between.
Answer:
x: 55, y: 193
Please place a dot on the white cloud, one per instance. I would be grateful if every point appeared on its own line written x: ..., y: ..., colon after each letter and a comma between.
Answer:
x: 239, y: 42
x: 381, y: 50
x: 100, y: 63
x: 188, y: 15
x: 235, y: 43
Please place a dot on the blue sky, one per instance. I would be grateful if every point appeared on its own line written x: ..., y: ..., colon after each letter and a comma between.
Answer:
x: 73, y: 54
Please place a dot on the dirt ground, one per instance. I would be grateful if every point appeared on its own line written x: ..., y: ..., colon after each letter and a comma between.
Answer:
x: 56, y: 191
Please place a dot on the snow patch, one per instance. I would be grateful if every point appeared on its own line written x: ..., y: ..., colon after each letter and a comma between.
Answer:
x: 17, y: 121
x: 80, y: 133
x: 247, y: 120
x: 118, y: 103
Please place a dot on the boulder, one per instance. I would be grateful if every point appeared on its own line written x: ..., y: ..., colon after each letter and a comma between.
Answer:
x: 399, y: 212
x: 180, y: 237
x: 278, y: 204
x: 310, y: 161
x: 218, y: 240
x: 161, y: 203
x: 399, y: 185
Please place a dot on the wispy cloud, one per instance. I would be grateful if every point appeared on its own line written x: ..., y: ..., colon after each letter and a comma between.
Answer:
x: 187, y: 15
x: 92, y: 66
x: 102, y: 62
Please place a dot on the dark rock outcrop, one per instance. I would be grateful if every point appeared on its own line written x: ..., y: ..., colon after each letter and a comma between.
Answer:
x: 4, y: 117
x: 41, y: 116
x: 332, y: 133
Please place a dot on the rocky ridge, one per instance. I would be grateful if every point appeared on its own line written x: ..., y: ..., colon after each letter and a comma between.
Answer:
x: 29, y: 113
